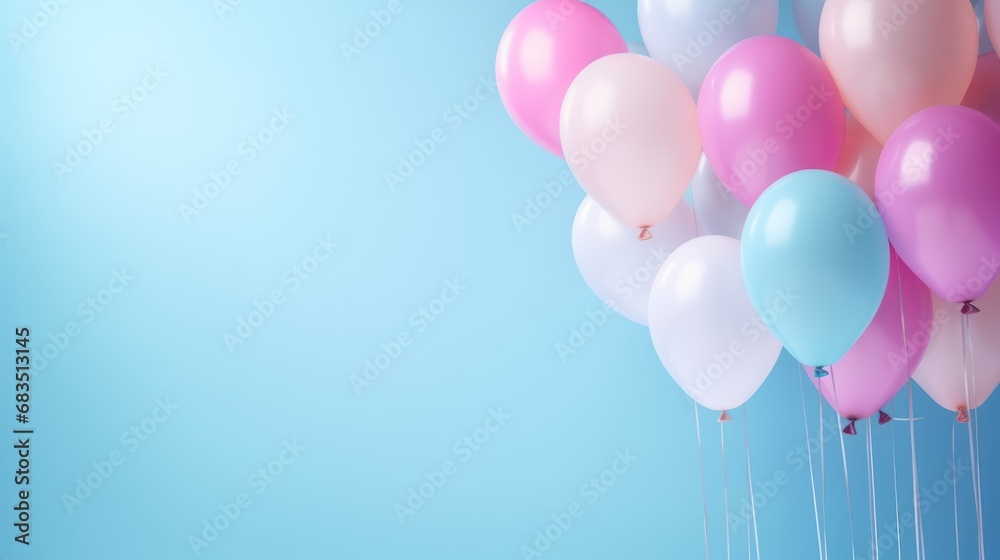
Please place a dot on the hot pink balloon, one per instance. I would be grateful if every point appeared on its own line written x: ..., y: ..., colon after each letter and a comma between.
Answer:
x: 767, y: 108
x: 938, y: 190
x: 879, y: 363
x: 984, y: 91
x: 544, y: 48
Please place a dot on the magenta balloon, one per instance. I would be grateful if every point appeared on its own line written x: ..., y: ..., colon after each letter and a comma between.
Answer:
x: 938, y: 190
x: 877, y: 366
x: 543, y: 49
x: 767, y: 108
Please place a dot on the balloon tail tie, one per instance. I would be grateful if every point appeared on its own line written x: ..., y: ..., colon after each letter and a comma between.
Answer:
x: 645, y: 235
x: 850, y: 429
x: 963, y: 415
x: 969, y: 309
x: 724, y: 417
x: 820, y: 372
x: 883, y: 418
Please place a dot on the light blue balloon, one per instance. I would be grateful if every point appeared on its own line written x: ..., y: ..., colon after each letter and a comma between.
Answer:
x: 816, y: 263
x: 807, y: 14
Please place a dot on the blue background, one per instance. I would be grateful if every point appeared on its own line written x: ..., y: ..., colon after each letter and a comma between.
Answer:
x: 161, y: 338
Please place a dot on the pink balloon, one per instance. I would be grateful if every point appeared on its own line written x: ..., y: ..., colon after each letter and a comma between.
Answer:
x: 984, y: 91
x: 543, y: 49
x: 769, y: 107
x: 630, y: 133
x: 938, y: 190
x: 941, y: 373
x: 879, y: 363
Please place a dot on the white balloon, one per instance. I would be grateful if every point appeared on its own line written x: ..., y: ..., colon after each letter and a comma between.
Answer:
x: 704, y: 328
x: 717, y: 210
x: 941, y: 372
x: 619, y: 268
x: 688, y: 36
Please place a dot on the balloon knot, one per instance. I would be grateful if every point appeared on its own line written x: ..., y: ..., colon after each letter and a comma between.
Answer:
x: 820, y: 372
x: 645, y: 235
x: 969, y: 309
x: 883, y: 418
x: 724, y: 417
x: 850, y: 430
x: 963, y: 415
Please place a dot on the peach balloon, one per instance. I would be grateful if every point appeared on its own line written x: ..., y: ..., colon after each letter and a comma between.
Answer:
x: 893, y: 58
x: 941, y: 372
x: 984, y: 91
x: 859, y: 156
x: 629, y: 129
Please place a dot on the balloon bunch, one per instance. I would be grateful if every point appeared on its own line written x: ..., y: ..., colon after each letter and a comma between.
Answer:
x: 835, y: 185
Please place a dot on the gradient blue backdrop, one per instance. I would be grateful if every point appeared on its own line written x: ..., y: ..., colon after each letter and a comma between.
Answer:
x: 359, y: 452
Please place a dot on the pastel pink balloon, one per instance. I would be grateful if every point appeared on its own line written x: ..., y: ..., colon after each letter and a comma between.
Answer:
x: 984, y: 91
x: 630, y: 134
x: 859, y: 158
x: 938, y: 190
x: 941, y: 373
x: 767, y: 108
x: 543, y: 49
x: 893, y: 58
x: 880, y: 363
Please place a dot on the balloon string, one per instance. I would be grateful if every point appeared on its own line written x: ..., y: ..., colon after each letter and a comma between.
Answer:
x: 918, y: 535
x: 954, y: 493
x: 704, y: 496
x: 974, y: 418
x: 812, y: 477
x: 895, y: 483
x: 872, y: 496
x: 822, y: 466
x: 917, y: 513
x: 725, y: 483
x: 972, y: 444
x: 843, y: 455
x: 753, y: 504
